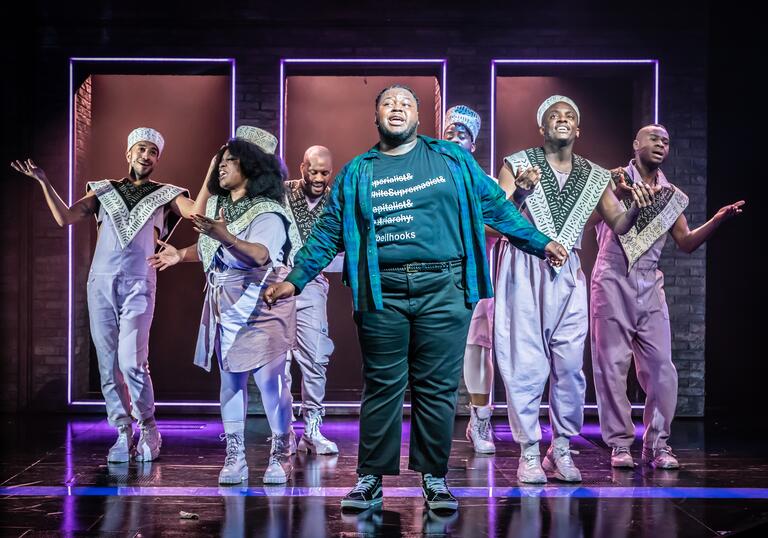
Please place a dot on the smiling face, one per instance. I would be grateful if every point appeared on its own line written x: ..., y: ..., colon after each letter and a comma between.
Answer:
x: 651, y: 145
x: 560, y: 124
x: 142, y: 158
x: 230, y: 175
x: 459, y: 134
x: 397, y: 115
x: 316, y: 171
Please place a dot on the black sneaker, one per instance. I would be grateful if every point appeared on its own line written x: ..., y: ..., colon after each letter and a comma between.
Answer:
x: 365, y: 494
x: 436, y: 493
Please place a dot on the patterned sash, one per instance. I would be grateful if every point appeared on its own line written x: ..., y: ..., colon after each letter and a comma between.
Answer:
x: 130, y: 207
x: 654, y: 220
x: 562, y: 213
x: 241, y: 214
x: 304, y: 216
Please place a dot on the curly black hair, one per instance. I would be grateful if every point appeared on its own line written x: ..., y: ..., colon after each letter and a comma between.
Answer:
x: 392, y: 87
x: 265, y: 172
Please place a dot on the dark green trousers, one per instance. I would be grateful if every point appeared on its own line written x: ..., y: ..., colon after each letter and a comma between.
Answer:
x: 416, y: 341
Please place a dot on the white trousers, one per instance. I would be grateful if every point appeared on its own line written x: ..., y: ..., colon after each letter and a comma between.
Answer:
x: 540, y: 330
x: 314, y: 346
x: 120, y: 310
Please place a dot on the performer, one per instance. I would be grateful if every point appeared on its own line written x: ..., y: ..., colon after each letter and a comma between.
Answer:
x: 462, y: 125
x: 409, y: 215
x: 245, y: 242
x: 628, y: 309
x: 131, y: 214
x: 307, y: 198
x: 541, y: 313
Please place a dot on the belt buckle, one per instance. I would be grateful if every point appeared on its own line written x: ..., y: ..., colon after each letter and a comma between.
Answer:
x: 411, y: 268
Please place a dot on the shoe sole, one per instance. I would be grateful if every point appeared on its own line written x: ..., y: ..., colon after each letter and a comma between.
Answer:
x: 310, y: 449
x: 662, y: 467
x: 120, y: 458
x: 479, y: 450
x: 235, y: 479
x: 628, y: 465
x: 443, y: 505
x: 542, y: 480
x: 277, y: 480
x: 552, y: 468
x: 361, y: 505
x: 147, y: 457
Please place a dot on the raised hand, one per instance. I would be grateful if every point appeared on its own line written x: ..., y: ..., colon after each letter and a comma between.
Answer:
x: 731, y: 210
x: 526, y: 180
x: 164, y: 259
x: 555, y: 253
x: 275, y: 292
x: 623, y: 191
x: 213, y: 228
x: 29, y: 168
x: 642, y: 194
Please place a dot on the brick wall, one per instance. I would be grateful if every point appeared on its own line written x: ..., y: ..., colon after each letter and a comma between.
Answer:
x: 33, y: 279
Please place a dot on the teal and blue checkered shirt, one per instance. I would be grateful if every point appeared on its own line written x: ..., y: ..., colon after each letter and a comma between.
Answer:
x: 347, y: 224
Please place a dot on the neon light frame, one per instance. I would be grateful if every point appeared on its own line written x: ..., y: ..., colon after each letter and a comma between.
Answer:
x: 70, y: 200
x: 441, y: 62
x: 654, y: 63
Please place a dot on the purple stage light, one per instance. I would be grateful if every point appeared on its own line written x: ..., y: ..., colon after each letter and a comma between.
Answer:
x: 602, y: 492
x: 70, y: 197
x: 654, y: 64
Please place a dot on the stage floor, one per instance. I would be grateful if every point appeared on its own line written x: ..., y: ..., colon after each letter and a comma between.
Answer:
x: 56, y: 482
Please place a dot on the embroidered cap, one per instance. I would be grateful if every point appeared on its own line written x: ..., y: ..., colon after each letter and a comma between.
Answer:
x: 549, y: 101
x: 266, y: 141
x: 146, y: 134
x: 466, y: 116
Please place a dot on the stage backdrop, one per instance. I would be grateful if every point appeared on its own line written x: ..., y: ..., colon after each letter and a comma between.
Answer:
x: 193, y: 114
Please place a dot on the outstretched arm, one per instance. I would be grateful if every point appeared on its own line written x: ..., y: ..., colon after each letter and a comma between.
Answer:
x: 689, y: 240
x: 63, y: 214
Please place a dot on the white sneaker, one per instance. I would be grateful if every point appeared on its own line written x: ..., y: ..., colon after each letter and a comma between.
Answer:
x: 312, y: 440
x: 479, y: 431
x: 280, y: 467
x: 123, y: 449
x: 660, y: 458
x: 150, y: 441
x: 621, y: 458
x: 529, y: 469
x: 559, y: 461
x: 235, y: 468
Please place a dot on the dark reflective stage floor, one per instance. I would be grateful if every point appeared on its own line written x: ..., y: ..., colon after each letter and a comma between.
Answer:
x: 55, y: 481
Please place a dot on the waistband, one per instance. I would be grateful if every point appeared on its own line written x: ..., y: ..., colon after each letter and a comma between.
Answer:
x: 422, y: 267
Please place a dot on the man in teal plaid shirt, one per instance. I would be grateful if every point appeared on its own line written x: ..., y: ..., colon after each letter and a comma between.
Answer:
x: 410, y: 216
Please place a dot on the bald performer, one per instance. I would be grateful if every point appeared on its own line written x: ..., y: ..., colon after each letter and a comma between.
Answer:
x: 629, y: 311
x: 306, y: 199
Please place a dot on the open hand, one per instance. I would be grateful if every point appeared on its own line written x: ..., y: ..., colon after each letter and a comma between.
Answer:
x: 29, y: 168
x: 167, y: 257
x: 731, y: 210
x: 213, y: 228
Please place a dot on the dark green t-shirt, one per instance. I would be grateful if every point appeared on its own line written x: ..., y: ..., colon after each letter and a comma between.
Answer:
x: 415, y: 208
